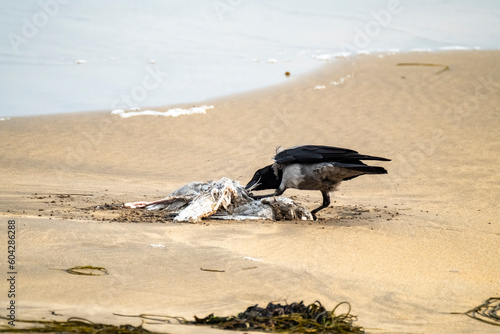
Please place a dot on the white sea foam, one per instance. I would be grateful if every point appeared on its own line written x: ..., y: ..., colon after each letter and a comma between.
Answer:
x: 175, y: 112
x: 330, y: 56
x: 342, y: 54
x: 420, y: 50
x: 318, y: 87
x: 4, y: 118
x: 324, y: 57
x: 392, y: 51
x: 459, y: 47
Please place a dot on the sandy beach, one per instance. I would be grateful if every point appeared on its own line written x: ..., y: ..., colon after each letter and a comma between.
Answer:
x: 404, y: 249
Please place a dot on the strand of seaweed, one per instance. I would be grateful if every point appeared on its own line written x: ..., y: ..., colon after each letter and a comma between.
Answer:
x: 488, y: 312
x: 72, y: 325
x: 444, y: 67
x: 85, y: 270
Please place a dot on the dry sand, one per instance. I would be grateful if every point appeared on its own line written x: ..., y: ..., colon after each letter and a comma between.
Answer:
x: 405, y: 249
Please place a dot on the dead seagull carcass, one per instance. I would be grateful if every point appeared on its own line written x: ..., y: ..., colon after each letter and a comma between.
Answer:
x: 223, y: 199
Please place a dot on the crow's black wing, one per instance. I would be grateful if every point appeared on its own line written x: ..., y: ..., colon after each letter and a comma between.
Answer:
x: 318, y: 153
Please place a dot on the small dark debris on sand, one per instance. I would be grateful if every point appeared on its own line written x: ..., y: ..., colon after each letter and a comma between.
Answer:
x: 143, y: 216
x: 121, y: 214
x: 106, y: 206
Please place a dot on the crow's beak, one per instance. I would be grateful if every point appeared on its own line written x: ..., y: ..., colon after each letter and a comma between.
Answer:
x: 252, y: 184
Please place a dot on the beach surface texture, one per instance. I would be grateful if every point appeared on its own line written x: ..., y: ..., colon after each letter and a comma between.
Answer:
x: 406, y: 249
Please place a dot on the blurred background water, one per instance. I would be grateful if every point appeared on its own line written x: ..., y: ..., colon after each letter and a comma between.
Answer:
x: 79, y: 55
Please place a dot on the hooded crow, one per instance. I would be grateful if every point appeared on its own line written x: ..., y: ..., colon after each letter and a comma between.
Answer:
x: 312, y: 167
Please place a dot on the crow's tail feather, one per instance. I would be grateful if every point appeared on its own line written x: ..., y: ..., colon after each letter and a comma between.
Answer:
x: 366, y: 169
x: 369, y: 157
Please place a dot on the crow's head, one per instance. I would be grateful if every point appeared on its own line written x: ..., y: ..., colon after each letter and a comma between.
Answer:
x: 263, y: 179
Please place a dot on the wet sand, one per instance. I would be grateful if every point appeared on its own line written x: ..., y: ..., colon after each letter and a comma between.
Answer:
x: 405, y: 249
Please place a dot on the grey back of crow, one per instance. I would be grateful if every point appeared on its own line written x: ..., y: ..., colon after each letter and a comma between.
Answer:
x: 313, y: 167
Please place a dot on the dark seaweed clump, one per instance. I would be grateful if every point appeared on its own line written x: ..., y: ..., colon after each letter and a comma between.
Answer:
x: 291, y: 318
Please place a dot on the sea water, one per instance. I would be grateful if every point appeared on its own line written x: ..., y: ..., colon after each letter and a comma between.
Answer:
x: 79, y: 55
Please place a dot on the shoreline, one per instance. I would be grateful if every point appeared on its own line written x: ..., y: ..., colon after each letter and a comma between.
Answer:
x: 405, y: 249
x: 338, y: 58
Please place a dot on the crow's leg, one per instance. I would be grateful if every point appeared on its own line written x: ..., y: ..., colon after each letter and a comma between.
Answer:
x: 326, y: 203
